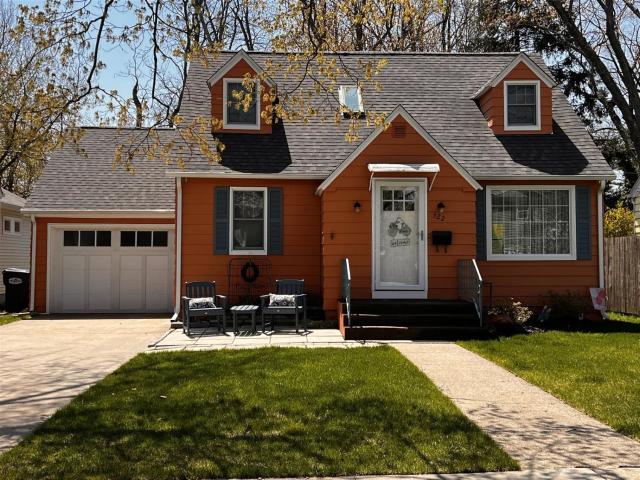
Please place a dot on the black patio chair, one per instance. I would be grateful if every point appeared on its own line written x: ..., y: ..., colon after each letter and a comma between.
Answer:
x: 203, y: 290
x: 299, y: 308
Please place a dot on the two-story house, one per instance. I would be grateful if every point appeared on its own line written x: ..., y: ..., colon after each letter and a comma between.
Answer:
x: 483, y: 168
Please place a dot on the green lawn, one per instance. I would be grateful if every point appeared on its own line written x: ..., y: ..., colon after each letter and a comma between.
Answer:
x: 597, y: 371
x: 4, y: 319
x: 257, y: 413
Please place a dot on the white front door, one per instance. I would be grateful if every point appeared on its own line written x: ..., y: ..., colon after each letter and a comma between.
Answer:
x: 399, y: 260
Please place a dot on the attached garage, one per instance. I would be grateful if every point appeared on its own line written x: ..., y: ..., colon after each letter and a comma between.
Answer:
x: 110, y: 269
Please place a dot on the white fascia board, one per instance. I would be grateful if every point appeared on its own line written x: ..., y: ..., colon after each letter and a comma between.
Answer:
x: 261, y: 176
x: 399, y: 111
x: 81, y: 213
x: 241, y: 55
x: 516, y: 177
x: 635, y: 190
x: 524, y: 58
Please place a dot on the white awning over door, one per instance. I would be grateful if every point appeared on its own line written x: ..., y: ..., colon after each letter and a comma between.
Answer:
x: 404, y: 167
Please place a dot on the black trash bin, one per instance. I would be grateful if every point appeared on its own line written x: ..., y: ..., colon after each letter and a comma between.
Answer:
x: 16, y: 284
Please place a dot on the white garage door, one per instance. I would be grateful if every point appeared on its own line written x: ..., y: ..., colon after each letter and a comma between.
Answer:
x: 109, y: 270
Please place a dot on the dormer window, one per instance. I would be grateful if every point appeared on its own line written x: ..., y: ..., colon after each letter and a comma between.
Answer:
x: 522, y: 105
x: 350, y: 98
x: 235, y: 113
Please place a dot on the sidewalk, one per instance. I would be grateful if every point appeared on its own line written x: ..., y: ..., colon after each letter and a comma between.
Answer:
x: 563, y: 474
x: 534, y: 427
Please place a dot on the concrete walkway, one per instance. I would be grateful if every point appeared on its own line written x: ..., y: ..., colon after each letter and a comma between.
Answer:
x: 210, y: 339
x: 534, y: 427
x: 46, y: 362
x: 562, y: 474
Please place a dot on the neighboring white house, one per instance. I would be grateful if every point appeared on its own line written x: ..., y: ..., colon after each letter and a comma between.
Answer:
x: 635, y: 198
x: 15, y: 235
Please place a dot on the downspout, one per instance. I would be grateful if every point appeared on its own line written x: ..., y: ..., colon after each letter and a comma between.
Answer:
x: 176, y: 310
x: 32, y: 287
x: 600, y: 236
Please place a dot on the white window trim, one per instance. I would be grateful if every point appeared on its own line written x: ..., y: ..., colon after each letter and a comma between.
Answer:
x: 12, y: 226
x: 523, y: 257
x: 136, y: 246
x: 537, y: 126
x: 263, y: 251
x: 341, y: 95
x: 239, y: 126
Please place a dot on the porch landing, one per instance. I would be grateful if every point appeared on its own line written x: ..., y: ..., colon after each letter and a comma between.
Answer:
x: 409, y: 320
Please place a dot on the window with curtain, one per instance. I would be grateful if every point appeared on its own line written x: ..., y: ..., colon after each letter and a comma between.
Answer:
x: 350, y: 97
x: 248, y: 220
x: 530, y: 222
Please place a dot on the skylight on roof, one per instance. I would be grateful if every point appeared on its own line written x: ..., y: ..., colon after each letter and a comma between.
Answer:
x: 350, y: 98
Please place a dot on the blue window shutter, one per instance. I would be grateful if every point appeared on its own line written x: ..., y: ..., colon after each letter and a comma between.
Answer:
x: 583, y: 223
x: 275, y: 222
x: 221, y: 221
x: 481, y: 224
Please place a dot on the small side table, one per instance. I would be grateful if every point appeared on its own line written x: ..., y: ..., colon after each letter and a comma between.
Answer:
x: 243, y: 310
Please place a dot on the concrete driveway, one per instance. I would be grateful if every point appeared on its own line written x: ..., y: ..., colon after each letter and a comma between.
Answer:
x: 47, y: 361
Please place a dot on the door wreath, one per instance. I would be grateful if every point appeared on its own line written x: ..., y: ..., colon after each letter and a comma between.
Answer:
x: 250, y: 272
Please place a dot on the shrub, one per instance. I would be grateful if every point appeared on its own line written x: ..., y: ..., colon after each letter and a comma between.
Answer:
x: 618, y: 221
x: 517, y: 313
x: 564, y: 309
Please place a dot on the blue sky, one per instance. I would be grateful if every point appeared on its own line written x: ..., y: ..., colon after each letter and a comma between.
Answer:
x: 115, y: 56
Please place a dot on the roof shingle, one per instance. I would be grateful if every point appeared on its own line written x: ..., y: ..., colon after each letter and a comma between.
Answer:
x: 435, y: 89
x: 82, y: 176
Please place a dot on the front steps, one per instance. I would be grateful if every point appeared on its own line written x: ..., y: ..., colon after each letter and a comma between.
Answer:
x: 410, y: 320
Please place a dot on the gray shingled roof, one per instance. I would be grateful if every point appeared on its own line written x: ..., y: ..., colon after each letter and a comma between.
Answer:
x: 82, y: 177
x: 435, y: 89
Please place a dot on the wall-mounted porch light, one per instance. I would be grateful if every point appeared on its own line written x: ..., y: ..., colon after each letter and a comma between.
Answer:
x: 439, y: 215
x: 356, y: 206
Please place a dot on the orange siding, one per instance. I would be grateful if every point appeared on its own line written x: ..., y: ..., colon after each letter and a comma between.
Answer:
x: 492, y: 104
x: 348, y: 234
x: 239, y: 70
x: 530, y: 281
x: 42, y: 223
x: 302, y: 252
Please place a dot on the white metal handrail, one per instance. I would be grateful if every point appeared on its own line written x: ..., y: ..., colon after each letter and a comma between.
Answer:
x: 470, y: 284
x: 346, y: 288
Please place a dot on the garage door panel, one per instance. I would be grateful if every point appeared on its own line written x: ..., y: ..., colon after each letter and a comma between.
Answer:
x: 73, y: 282
x: 132, y: 283
x: 157, y: 280
x: 100, y: 277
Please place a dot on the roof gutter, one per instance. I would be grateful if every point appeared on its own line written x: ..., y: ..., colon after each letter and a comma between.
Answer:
x: 278, y: 176
x: 88, y: 213
x: 546, y: 177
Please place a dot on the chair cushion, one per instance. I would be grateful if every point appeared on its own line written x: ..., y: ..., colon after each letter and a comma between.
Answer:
x: 282, y: 300
x: 203, y: 302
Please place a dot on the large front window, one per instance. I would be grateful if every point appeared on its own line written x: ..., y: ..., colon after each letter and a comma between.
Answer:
x: 241, y: 105
x: 530, y: 223
x: 248, y: 214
